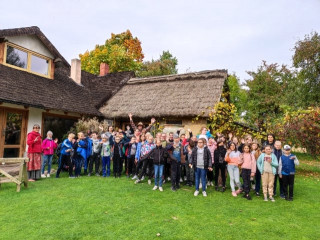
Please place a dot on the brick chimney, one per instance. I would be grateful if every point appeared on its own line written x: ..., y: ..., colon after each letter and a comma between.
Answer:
x: 104, y: 69
x: 75, y: 73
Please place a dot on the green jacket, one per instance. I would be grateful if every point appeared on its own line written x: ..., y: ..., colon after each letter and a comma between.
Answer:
x: 274, y: 163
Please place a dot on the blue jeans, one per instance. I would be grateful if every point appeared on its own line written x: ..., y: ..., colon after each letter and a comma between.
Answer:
x: 201, y: 173
x: 158, y: 172
x: 106, y: 162
x: 78, y: 161
x: 46, y: 159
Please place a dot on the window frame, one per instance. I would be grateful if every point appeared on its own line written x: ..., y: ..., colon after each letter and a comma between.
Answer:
x: 29, y: 56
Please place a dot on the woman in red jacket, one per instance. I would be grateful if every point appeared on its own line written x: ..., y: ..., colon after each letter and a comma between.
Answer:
x: 34, y: 153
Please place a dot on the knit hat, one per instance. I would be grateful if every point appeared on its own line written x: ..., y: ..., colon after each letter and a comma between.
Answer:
x: 175, y: 136
x: 286, y: 147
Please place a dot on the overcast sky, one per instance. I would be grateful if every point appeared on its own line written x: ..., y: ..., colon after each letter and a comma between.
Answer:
x: 203, y: 35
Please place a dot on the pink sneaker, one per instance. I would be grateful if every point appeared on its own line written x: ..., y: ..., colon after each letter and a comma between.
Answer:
x: 234, y: 194
x: 238, y: 191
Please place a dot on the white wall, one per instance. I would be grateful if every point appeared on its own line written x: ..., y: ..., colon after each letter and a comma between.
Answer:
x: 32, y: 43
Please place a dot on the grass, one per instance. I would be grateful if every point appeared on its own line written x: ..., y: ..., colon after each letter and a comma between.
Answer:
x: 108, y: 208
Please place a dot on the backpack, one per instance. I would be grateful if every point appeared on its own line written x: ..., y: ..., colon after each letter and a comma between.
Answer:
x: 89, y: 147
x: 58, y: 150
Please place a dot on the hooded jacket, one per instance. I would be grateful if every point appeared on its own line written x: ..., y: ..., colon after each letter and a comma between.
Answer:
x: 207, y: 159
x: 158, y: 154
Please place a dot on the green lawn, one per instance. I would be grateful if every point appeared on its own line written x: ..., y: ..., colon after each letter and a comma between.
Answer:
x: 108, y: 208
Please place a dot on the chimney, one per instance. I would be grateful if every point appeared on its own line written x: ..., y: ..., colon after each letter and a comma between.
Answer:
x: 104, y: 69
x: 76, y: 70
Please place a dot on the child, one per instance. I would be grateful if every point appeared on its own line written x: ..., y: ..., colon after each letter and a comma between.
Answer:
x: 80, y: 154
x: 248, y: 166
x: 131, y: 148
x: 201, y: 161
x: 255, y: 150
x: 147, y: 162
x: 137, y: 161
x: 105, y: 154
x: 117, y: 157
x: 175, y: 156
x: 278, y: 152
x: 267, y: 163
x: 246, y: 140
x: 159, y: 156
x: 189, y: 169
x: 66, y: 149
x: 95, y: 156
x: 212, y: 145
x: 48, y: 146
x: 220, y: 164
x: 287, y: 170
x: 233, y: 158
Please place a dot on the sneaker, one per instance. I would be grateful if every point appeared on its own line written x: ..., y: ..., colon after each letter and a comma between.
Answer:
x: 238, y: 191
x: 173, y: 189
x: 149, y: 182
x: 48, y: 175
x: 97, y: 174
x: 160, y: 189
x: 204, y: 193
x: 137, y: 181
x: 185, y: 178
x: 89, y: 175
x: 196, y: 193
x: 216, y: 188
x: 169, y: 179
x: 43, y: 176
x: 282, y: 196
x: 272, y: 199
x: 290, y: 199
x: 178, y: 186
x: 248, y: 197
x: 265, y: 199
x: 257, y: 194
x: 200, y: 185
x: 71, y: 176
x: 155, y: 188
x: 234, y: 193
x: 142, y: 178
x: 134, y: 177
x: 181, y: 180
x: 223, y: 189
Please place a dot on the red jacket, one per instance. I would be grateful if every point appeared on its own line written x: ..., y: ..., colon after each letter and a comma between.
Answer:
x: 34, y: 147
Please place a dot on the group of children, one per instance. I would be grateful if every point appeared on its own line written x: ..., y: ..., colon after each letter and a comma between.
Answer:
x: 194, y: 160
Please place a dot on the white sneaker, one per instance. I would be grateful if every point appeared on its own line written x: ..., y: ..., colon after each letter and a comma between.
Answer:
x: 149, y: 182
x: 142, y: 178
x: 185, y: 178
x: 160, y: 189
x: 181, y: 180
x: 204, y: 194
x: 43, y: 176
x: 169, y: 179
x: 134, y: 177
x: 196, y: 193
x: 137, y: 181
x: 48, y: 175
x: 155, y: 188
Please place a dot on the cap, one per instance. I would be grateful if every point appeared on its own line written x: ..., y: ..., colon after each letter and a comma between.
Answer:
x: 286, y: 147
x: 140, y: 124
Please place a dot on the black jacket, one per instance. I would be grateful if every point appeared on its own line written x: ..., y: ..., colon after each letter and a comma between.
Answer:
x: 158, y: 154
x: 219, y: 155
x: 206, y: 155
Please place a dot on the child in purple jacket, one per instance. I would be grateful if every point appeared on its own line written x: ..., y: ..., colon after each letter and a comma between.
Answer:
x: 48, y: 146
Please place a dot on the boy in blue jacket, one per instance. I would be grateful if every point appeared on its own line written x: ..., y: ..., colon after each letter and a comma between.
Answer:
x: 65, y: 159
x: 286, y: 171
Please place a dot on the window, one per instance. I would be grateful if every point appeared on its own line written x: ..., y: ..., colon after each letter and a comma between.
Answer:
x: 27, y: 60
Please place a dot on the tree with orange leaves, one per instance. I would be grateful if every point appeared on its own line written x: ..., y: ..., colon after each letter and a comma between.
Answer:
x: 122, y: 52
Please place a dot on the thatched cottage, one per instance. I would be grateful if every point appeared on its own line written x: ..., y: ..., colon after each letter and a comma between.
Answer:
x: 174, y: 100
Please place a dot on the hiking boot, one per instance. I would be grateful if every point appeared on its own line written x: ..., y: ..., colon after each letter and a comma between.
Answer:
x: 272, y: 199
x: 160, y: 189
x: 196, y: 193
x: 204, y: 193
x: 155, y: 188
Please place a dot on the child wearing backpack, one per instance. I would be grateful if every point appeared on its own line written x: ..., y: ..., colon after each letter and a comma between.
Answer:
x: 48, y: 146
x: 286, y: 171
x: 65, y: 158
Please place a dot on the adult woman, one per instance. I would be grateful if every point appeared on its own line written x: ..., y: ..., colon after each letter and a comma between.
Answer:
x: 34, y: 153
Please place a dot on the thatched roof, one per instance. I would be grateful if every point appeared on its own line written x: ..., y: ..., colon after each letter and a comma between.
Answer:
x: 180, y: 95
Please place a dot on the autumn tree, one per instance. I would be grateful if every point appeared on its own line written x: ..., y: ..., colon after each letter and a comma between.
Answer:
x: 237, y: 95
x: 122, y: 52
x: 306, y: 59
x: 165, y: 65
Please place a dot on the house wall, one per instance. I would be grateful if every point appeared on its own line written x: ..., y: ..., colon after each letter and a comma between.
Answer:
x: 32, y: 43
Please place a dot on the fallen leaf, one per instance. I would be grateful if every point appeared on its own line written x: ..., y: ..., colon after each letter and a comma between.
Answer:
x: 174, y: 218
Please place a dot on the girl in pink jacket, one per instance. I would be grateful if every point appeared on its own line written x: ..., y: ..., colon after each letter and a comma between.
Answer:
x: 48, y: 146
